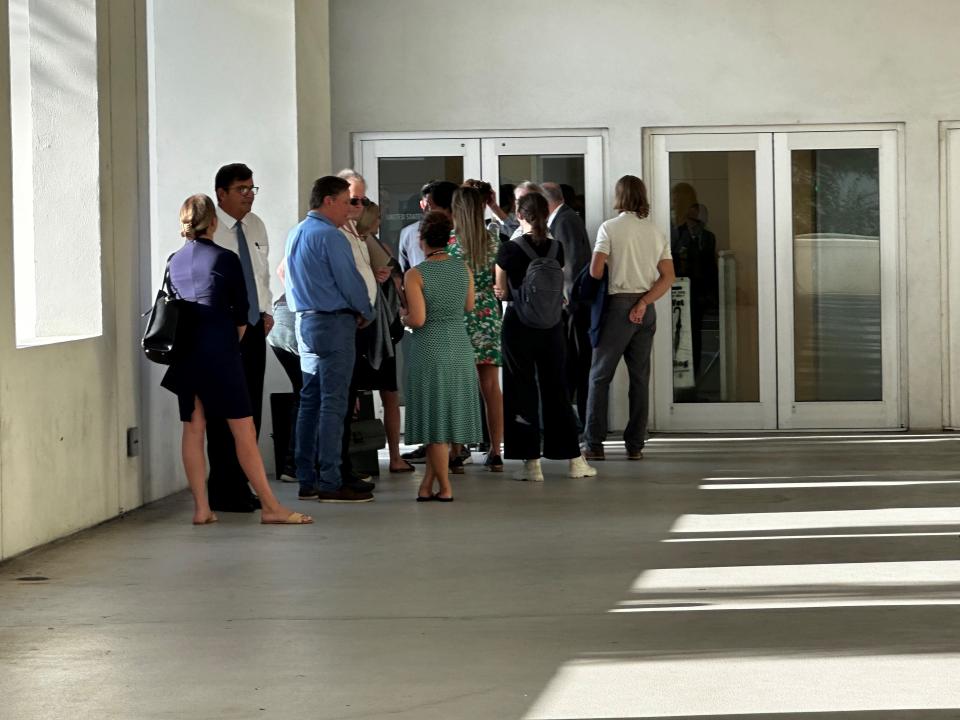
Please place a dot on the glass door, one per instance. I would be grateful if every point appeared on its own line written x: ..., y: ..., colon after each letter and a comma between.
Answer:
x: 715, y: 349
x: 784, y: 313
x: 574, y: 162
x: 396, y: 170
x: 837, y: 239
x: 951, y: 181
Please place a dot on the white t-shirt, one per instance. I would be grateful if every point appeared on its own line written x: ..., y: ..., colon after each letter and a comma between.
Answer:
x: 634, y: 246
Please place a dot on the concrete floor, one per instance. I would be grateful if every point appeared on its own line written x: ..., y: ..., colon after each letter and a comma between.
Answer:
x: 824, y: 579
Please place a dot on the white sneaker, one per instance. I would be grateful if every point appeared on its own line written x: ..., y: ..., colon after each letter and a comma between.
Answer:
x: 531, y: 471
x: 580, y: 469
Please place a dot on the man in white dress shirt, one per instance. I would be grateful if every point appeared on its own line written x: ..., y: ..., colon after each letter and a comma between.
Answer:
x: 242, y: 232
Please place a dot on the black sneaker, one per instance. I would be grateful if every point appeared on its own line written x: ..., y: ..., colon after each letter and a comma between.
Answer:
x: 416, y: 456
x: 344, y: 495
x: 493, y: 463
x: 360, y: 476
x: 456, y: 466
x: 288, y: 475
x: 357, y: 484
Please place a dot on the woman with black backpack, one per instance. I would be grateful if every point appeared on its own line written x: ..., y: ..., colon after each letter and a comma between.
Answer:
x: 530, y: 277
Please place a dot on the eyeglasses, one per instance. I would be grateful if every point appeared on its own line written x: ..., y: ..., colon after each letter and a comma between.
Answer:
x: 246, y: 189
x: 360, y: 201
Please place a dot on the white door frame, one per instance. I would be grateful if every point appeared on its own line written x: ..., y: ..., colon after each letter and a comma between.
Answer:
x: 887, y: 137
x: 950, y: 277
x: 590, y: 146
x: 760, y: 415
x: 884, y: 413
x: 367, y: 152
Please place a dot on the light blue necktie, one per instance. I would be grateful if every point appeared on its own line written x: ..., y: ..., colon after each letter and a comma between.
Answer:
x: 253, y: 313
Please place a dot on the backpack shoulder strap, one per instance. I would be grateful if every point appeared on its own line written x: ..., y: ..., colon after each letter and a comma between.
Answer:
x: 554, y: 249
x: 527, y: 248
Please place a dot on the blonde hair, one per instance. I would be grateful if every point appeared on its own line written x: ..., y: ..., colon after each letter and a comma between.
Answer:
x: 196, y: 215
x: 467, y: 210
x: 368, y: 219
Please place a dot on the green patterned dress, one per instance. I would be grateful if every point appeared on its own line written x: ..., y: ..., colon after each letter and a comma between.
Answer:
x: 483, y: 322
x: 442, y: 397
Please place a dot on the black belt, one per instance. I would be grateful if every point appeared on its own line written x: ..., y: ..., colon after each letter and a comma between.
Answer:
x: 341, y: 311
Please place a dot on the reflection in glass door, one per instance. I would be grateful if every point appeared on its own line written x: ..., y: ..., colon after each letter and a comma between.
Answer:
x: 396, y: 170
x: 715, y: 359
x: 784, y: 312
x: 573, y: 162
x: 837, y: 229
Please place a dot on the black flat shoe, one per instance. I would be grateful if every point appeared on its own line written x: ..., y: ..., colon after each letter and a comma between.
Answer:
x: 436, y: 496
x: 428, y: 498
x: 493, y: 463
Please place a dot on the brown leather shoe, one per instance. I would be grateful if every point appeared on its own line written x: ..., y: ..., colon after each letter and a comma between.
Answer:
x: 634, y: 454
x: 593, y: 453
x: 345, y: 495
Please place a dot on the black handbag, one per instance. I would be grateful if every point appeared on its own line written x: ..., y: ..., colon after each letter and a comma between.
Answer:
x: 366, y: 435
x: 160, y: 337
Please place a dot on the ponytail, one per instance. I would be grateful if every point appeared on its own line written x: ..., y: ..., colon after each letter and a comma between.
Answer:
x: 532, y: 207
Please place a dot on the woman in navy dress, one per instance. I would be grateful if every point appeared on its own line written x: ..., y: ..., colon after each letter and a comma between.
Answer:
x: 207, y: 372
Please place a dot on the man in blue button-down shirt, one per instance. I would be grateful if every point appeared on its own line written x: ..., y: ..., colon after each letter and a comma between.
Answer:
x: 330, y: 299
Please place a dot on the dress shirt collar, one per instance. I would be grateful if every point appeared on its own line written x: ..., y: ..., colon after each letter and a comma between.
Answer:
x: 349, y: 229
x: 554, y: 214
x: 317, y: 215
x: 226, y: 219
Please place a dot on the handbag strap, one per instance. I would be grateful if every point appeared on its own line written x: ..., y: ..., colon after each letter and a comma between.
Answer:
x: 166, y: 287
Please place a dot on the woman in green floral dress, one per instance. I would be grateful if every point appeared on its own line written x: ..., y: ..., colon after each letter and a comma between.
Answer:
x: 472, y: 242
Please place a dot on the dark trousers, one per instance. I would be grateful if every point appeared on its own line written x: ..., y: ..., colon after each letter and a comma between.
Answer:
x: 620, y: 338
x: 346, y: 464
x: 579, y: 357
x: 227, y: 483
x: 290, y: 362
x: 534, y: 375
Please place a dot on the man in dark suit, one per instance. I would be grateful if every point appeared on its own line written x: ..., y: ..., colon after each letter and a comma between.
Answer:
x: 569, y: 229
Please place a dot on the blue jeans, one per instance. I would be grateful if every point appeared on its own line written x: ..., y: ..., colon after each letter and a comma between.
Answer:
x: 327, y: 354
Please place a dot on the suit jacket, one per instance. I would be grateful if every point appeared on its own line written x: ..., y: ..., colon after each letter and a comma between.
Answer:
x: 570, y: 230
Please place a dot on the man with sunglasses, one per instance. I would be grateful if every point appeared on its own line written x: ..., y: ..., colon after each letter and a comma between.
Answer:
x: 241, y: 231
x: 371, y: 278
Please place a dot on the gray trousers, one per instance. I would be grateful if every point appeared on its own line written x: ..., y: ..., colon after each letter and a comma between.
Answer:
x: 620, y: 338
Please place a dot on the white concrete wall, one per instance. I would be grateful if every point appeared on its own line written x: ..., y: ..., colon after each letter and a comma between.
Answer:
x: 629, y: 65
x: 223, y: 89
x: 56, y: 159
x: 64, y: 407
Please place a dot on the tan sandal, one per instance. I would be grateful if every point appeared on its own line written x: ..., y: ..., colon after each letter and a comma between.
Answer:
x: 209, y: 521
x: 294, y: 518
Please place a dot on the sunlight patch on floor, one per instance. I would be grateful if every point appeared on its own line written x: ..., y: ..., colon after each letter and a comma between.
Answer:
x: 719, y: 686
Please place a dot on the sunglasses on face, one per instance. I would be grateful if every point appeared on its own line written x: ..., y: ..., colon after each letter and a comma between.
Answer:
x: 360, y: 201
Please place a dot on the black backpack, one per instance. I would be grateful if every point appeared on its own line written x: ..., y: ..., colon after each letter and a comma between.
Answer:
x: 538, y: 301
